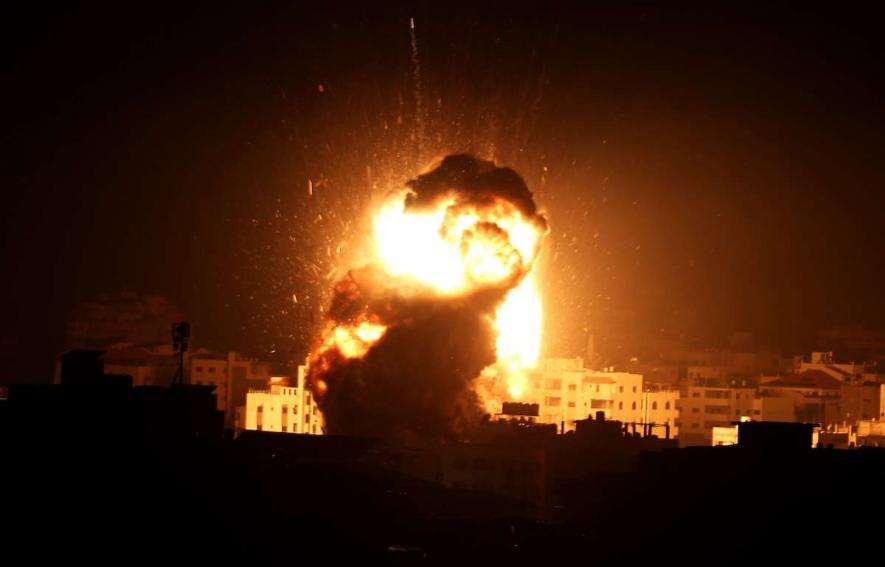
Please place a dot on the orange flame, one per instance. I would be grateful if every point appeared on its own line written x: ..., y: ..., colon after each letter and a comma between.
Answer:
x: 453, y: 249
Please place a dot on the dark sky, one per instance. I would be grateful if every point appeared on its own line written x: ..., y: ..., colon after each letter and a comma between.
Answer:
x: 705, y: 168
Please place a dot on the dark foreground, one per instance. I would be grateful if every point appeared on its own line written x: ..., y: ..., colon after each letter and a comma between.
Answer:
x: 116, y: 478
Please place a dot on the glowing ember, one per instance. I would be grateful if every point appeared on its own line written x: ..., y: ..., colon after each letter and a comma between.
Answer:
x: 460, y: 244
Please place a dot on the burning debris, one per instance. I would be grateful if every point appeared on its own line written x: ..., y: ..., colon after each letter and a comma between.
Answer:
x: 448, y: 298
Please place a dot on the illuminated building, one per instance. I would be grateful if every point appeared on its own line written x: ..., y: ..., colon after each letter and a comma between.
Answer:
x: 871, y: 433
x: 232, y: 374
x: 281, y: 408
x: 661, y: 407
x: 725, y: 435
x: 565, y: 392
x: 815, y: 393
x: 703, y: 408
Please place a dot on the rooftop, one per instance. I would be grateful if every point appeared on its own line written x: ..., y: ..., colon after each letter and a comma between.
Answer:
x: 816, y: 379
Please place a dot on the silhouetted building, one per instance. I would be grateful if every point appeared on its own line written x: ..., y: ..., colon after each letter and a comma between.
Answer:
x: 121, y: 319
x: 775, y: 435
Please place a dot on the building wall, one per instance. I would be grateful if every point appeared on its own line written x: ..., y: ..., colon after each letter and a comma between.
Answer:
x: 566, y: 392
x: 627, y: 396
x: 283, y: 409
x: 724, y: 436
x: 774, y: 408
x: 233, y: 376
x: 702, y: 408
x: 860, y: 401
x: 812, y: 405
x: 661, y: 407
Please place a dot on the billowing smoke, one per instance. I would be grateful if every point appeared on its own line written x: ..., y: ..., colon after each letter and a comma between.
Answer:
x: 399, y: 357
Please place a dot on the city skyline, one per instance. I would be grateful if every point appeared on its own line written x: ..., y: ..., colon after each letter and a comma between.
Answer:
x: 443, y: 283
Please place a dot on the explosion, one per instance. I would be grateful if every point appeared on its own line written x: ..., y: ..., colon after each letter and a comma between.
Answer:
x: 446, y: 319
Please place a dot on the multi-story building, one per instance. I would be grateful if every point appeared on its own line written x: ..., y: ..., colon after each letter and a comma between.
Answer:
x: 815, y: 395
x: 661, y: 408
x: 282, y: 408
x: 233, y: 376
x: 565, y: 392
x: 703, y: 408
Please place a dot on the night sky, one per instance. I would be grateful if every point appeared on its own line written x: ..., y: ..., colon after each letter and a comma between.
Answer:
x: 704, y: 168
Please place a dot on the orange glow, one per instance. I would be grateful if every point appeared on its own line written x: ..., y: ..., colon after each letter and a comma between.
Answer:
x: 452, y: 249
x: 519, y: 335
x: 354, y: 341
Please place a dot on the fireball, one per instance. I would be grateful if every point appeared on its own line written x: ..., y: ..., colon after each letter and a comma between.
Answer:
x: 466, y: 230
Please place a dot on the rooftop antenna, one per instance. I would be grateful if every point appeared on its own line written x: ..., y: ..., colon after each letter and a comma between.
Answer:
x: 181, y: 333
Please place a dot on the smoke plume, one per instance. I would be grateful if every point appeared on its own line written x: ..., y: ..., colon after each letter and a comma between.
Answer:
x: 417, y: 377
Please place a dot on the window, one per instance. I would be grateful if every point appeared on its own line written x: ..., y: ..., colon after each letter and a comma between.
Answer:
x: 260, y: 409
x: 737, y: 412
x: 694, y: 425
x: 285, y: 410
x: 695, y: 410
x: 571, y: 404
x: 620, y: 405
x: 284, y: 428
x: 621, y: 389
x: 599, y: 404
x: 634, y: 389
x: 667, y: 405
x: 737, y: 396
x: 634, y: 405
x: 553, y: 402
x: 199, y: 368
x: 554, y: 384
x: 572, y: 387
x: 755, y: 412
x: 259, y: 427
x: 695, y: 394
x: 654, y: 405
x: 211, y: 370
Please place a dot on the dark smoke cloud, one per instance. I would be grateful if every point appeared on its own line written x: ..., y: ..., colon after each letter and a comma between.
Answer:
x: 477, y: 182
x: 417, y: 380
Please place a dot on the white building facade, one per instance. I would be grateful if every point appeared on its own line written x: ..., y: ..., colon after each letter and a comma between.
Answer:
x: 281, y: 408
